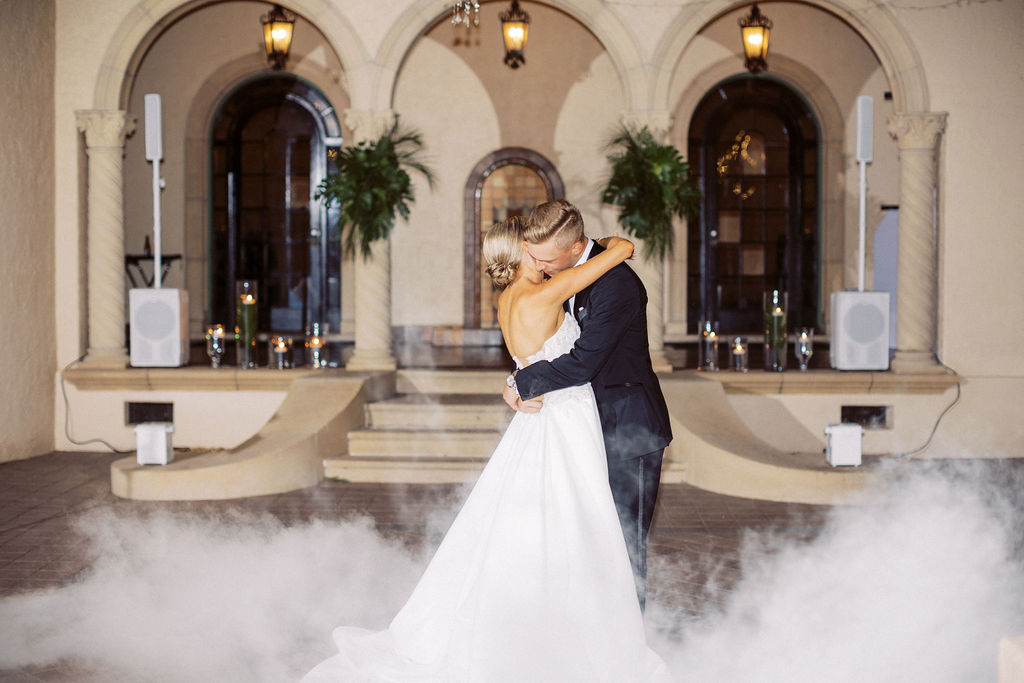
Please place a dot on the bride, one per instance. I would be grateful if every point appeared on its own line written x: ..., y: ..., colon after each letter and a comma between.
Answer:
x: 532, y: 582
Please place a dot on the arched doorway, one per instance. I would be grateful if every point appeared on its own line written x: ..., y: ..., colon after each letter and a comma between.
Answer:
x: 755, y: 142
x: 508, y: 182
x: 272, y: 143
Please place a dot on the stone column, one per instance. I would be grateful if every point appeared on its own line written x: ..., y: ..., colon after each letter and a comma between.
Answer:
x: 652, y: 272
x: 372, y: 274
x: 917, y: 288
x: 105, y: 133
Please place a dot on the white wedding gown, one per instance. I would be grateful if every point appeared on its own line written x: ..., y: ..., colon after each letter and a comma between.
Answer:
x: 532, y: 581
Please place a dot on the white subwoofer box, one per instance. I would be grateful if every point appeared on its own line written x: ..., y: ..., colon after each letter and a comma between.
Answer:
x: 860, y: 331
x: 843, y: 445
x: 153, y: 443
x: 158, y: 327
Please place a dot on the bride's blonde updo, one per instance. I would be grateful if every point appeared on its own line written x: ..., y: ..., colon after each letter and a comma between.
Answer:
x: 503, y: 250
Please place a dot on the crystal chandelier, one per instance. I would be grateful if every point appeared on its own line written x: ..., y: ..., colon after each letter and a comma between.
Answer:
x: 466, y: 12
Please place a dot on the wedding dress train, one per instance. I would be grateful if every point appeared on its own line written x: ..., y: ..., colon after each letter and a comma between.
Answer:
x: 532, y: 582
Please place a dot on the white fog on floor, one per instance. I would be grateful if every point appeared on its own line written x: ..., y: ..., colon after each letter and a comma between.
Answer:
x: 918, y: 587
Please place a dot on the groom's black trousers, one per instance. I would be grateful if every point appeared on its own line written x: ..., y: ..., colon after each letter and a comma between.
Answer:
x: 634, y: 483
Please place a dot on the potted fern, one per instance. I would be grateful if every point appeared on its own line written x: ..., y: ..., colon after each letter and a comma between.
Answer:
x: 373, y: 186
x: 650, y: 183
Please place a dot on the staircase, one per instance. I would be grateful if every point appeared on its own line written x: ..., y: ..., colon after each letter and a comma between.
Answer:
x: 440, y: 427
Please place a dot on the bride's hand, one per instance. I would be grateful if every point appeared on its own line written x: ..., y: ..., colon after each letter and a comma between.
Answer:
x: 616, y: 242
x: 511, y: 397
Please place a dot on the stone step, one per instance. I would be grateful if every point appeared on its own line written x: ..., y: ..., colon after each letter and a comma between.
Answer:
x: 441, y: 411
x: 410, y: 381
x: 433, y: 443
x: 403, y: 469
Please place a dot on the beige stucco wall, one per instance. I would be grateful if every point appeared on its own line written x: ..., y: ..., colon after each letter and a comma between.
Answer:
x: 609, y: 57
x: 27, y: 339
x: 202, y: 419
x: 468, y: 104
x: 977, y: 79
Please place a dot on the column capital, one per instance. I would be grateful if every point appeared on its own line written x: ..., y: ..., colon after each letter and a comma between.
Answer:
x: 104, y: 127
x: 918, y: 130
x: 658, y: 122
x: 369, y: 124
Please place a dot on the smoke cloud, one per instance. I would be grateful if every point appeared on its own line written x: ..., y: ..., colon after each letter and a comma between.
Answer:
x: 172, y: 597
x: 918, y: 587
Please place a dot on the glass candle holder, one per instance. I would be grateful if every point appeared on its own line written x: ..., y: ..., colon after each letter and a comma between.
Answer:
x: 246, y: 300
x: 738, y: 354
x: 279, y: 352
x: 709, y: 346
x: 804, y: 347
x: 316, y: 345
x: 775, y: 304
x: 215, y: 344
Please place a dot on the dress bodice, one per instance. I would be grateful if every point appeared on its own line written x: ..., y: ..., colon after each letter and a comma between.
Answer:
x: 558, y: 344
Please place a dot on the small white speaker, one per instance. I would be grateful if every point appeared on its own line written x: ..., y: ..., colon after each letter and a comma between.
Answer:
x: 158, y: 327
x: 865, y: 127
x: 153, y: 443
x: 843, y: 445
x: 154, y: 135
x: 860, y: 331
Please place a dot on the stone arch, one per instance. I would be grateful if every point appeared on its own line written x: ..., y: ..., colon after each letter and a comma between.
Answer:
x: 875, y: 24
x: 616, y: 38
x: 147, y: 18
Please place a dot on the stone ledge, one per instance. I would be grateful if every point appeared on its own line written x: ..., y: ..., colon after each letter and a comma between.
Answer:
x: 286, y: 454
x: 824, y: 382
x: 87, y: 378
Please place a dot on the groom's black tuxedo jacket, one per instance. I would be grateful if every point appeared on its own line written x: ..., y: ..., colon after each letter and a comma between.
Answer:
x: 612, y: 354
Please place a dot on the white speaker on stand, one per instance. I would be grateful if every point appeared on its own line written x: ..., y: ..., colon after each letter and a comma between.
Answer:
x: 860, y: 320
x: 157, y: 318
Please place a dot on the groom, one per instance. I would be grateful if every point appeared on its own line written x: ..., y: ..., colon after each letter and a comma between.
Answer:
x: 612, y: 354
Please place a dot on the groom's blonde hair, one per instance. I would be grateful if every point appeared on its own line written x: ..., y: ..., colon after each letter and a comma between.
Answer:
x: 556, y: 219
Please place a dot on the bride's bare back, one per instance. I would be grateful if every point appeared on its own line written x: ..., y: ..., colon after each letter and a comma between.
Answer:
x: 530, y: 309
x: 526, y: 319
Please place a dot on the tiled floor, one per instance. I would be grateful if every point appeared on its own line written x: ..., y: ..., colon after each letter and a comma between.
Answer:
x: 696, y: 534
x: 41, y: 497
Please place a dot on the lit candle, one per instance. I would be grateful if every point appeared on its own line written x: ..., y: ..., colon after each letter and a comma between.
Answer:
x: 215, y: 344
x: 710, y: 348
x: 245, y: 322
x: 315, y: 344
x: 280, y: 347
x: 739, y: 355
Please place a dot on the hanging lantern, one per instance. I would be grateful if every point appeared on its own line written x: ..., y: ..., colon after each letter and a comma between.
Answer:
x: 515, y: 24
x: 755, y: 28
x: 277, y: 35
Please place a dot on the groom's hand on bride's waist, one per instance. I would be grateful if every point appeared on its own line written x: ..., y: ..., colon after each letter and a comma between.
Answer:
x: 511, y: 397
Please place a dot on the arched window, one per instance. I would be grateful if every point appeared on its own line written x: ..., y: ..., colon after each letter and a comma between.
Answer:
x: 273, y: 141
x: 756, y: 143
x: 508, y: 182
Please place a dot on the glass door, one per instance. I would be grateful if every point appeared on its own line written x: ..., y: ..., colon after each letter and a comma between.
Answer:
x: 270, y: 150
x: 756, y: 145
